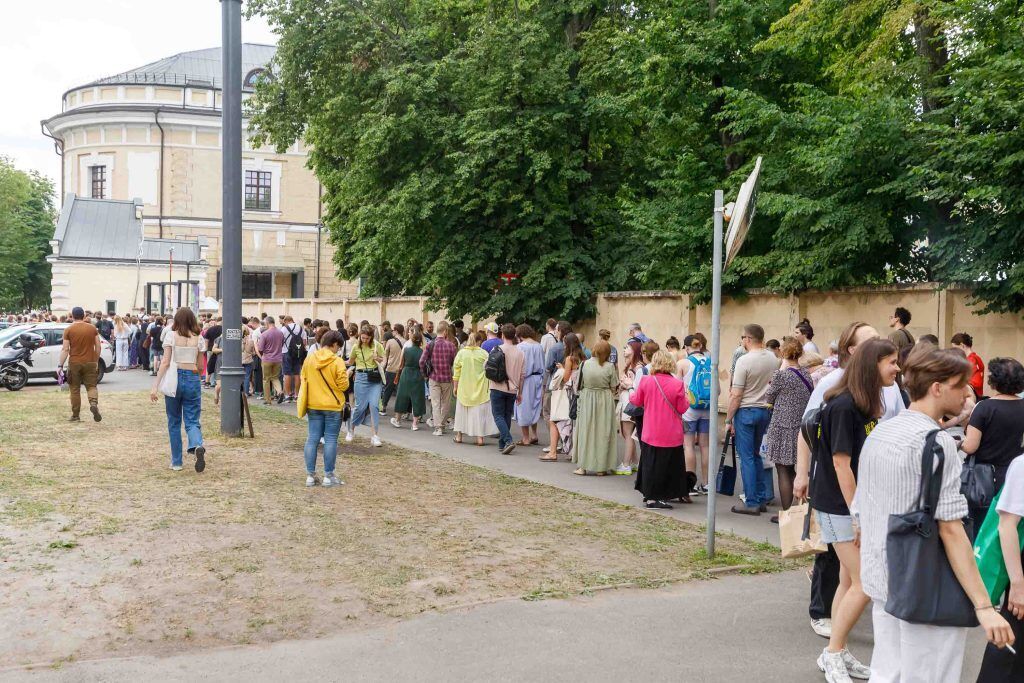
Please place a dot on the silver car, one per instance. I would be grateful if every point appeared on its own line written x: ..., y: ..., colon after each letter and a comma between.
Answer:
x: 45, y: 359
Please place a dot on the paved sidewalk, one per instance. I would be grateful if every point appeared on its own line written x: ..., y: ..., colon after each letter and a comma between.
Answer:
x: 524, y: 463
x: 738, y: 628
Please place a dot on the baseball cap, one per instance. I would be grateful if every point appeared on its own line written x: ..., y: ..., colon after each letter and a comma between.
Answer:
x: 491, y: 327
x: 78, y: 312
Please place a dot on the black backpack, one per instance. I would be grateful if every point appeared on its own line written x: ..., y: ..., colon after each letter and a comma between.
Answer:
x: 494, y: 368
x: 296, y: 351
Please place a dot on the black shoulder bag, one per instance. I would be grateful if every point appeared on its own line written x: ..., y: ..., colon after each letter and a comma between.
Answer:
x: 725, y: 481
x: 978, y: 483
x: 922, y: 586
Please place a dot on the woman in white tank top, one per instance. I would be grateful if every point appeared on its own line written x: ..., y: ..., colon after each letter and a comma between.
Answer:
x: 181, y: 387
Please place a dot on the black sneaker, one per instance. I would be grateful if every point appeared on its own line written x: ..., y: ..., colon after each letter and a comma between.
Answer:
x: 280, y: 399
x: 74, y: 418
x: 95, y: 410
x: 200, y: 458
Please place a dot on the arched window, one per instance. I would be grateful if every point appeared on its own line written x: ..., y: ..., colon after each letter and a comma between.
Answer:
x: 253, y: 77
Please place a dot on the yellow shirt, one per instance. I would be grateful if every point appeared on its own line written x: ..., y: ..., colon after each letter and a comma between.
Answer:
x: 364, y: 357
x: 324, y: 382
x: 468, y: 371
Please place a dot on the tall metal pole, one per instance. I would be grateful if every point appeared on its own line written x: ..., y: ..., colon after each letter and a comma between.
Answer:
x: 231, y: 255
x: 716, y: 347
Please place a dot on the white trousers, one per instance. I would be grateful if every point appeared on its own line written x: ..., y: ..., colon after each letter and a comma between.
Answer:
x: 915, y: 653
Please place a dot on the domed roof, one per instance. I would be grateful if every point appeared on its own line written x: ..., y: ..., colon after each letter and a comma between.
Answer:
x: 198, y: 67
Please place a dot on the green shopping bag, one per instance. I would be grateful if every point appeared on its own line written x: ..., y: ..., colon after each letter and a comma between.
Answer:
x: 989, y: 554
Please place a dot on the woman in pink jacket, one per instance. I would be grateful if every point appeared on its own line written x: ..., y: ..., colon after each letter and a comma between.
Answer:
x: 662, y: 475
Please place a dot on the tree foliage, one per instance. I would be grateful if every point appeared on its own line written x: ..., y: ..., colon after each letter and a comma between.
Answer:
x: 27, y: 216
x: 577, y: 143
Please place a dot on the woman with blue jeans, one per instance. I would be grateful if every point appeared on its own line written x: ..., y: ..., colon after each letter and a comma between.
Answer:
x: 183, y: 398
x: 322, y: 401
x: 365, y: 356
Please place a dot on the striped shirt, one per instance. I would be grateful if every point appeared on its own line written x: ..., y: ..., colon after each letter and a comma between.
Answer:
x: 887, y: 483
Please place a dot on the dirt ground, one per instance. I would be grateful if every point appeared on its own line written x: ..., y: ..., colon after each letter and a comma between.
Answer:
x: 104, y: 551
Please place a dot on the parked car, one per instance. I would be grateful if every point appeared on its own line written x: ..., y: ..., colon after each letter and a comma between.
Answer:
x: 44, y: 359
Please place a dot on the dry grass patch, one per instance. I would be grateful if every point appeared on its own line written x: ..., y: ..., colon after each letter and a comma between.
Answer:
x: 105, y: 551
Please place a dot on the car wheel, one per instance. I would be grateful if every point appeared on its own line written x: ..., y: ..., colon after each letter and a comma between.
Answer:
x: 101, y: 370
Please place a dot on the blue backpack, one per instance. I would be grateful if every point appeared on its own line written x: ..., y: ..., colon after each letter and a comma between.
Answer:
x: 699, y: 389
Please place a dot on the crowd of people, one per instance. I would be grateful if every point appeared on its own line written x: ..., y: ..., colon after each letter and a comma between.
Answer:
x: 867, y: 430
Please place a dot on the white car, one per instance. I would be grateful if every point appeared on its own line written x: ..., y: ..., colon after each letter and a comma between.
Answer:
x: 44, y: 359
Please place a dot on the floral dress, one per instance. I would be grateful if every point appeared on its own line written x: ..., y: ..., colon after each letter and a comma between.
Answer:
x: 789, y: 391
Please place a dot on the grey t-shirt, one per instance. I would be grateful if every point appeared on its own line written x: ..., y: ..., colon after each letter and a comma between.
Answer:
x: 753, y: 374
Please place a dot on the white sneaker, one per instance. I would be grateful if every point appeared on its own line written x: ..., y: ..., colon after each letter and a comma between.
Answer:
x: 327, y: 483
x: 438, y: 432
x: 415, y: 428
x: 832, y: 664
x: 395, y: 423
x: 430, y: 422
x: 176, y: 468
x: 822, y: 627
x: 854, y: 668
x: 311, y: 480
x: 375, y: 441
x: 624, y: 470
x: 348, y: 437
x: 333, y: 478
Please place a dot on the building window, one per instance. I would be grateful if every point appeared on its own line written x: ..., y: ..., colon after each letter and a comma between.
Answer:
x: 257, y: 190
x: 257, y: 285
x: 253, y: 77
x: 98, y: 181
x: 111, y: 305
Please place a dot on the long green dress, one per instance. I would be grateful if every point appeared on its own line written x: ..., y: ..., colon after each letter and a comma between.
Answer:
x: 410, y: 398
x: 595, y: 445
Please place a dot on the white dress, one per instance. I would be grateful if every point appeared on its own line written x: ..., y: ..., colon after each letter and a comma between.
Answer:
x: 121, y: 346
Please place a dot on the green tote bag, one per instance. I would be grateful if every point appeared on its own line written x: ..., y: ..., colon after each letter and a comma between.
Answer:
x: 989, y: 554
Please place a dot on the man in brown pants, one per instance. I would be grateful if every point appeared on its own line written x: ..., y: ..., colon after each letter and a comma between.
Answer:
x: 82, y: 345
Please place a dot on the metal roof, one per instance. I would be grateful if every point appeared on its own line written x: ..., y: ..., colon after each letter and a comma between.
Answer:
x: 198, y: 67
x: 107, y: 230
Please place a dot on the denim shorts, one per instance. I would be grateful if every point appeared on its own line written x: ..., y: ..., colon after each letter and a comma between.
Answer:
x: 835, y: 528
x: 290, y: 365
x: 702, y: 425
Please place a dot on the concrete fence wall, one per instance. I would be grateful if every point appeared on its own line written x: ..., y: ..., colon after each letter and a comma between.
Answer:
x: 396, y: 309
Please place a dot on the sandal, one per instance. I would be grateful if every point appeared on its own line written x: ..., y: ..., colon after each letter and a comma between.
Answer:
x: 456, y: 439
x: 548, y: 459
x: 524, y: 443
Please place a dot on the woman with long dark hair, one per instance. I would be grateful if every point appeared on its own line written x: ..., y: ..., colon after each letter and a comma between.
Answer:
x: 183, y: 398
x: 852, y: 409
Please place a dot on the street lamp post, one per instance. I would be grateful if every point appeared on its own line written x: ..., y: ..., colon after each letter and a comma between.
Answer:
x: 231, y: 261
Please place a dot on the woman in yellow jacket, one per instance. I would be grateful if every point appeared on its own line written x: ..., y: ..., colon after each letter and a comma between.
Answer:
x: 472, y: 392
x: 322, y: 398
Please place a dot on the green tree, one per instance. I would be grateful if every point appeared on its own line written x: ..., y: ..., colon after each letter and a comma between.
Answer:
x: 455, y: 144
x: 27, y: 217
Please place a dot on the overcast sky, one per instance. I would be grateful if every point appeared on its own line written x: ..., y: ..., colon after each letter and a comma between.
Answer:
x: 49, y: 46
